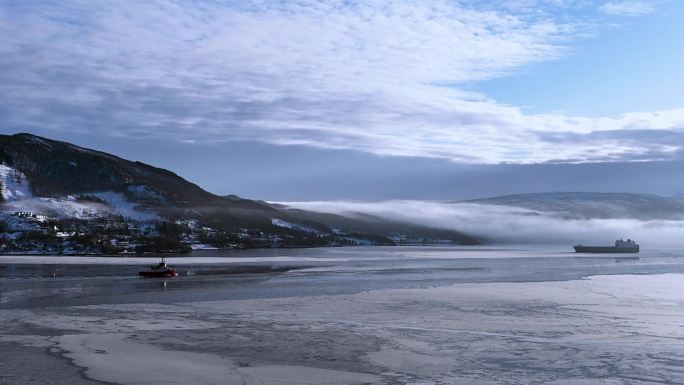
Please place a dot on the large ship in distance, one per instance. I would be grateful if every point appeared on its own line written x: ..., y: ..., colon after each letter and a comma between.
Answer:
x: 628, y: 246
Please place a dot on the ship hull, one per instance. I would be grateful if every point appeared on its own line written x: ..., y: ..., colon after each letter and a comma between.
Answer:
x: 159, y: 274
x: 606, y: 249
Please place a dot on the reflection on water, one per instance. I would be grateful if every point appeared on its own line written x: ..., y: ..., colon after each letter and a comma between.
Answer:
x: 299, y: 272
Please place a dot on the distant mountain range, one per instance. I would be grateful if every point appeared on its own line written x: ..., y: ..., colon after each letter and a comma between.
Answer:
x: 60, y: 198
x: 587, y: 205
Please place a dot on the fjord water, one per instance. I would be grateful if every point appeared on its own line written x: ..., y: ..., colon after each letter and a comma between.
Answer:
x: 505, y: 314
x: 36, y: 281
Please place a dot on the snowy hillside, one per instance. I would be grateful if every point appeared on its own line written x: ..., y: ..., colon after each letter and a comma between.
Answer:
x: 64, y: 199
x: 110, y: 203
x: 13, y: 184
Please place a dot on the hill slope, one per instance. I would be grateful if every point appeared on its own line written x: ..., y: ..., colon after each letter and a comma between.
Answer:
x: 57, y: 168
x: 61, y: 198
x: 594, y: 205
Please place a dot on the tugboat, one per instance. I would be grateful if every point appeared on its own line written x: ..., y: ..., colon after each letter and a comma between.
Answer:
x: 628, y: 246
x: 159, y: 270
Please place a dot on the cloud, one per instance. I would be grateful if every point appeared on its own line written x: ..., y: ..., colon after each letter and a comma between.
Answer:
x: 384, y: 77
x: 627, y: 8
x: 510, y: 224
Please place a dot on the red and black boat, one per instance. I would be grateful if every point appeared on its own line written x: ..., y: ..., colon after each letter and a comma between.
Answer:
x: 161, y: 270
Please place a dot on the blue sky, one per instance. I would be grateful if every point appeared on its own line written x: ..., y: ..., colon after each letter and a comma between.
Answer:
x: 313, y: 89
x: 629, y: 64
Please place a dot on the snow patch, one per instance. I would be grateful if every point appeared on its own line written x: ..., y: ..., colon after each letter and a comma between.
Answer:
x: 58, y: 207
x: 13, y: 184
x: 70, y: 207
x: 293, y: 226
x: 202, y: 246
x: 123, y: 207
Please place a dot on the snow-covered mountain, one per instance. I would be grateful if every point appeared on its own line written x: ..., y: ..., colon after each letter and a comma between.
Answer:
x: 56, y: 193
x: 594, y: 205
x: 56, y: 169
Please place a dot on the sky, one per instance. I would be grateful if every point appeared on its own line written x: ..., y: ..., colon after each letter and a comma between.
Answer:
x: 366, y: 100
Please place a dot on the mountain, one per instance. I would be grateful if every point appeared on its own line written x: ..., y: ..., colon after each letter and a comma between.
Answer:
x: 57, y: 168
x: 57, y: 197
x: 589, y: 205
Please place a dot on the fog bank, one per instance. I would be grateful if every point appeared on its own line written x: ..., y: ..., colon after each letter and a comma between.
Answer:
x: 497, y: 223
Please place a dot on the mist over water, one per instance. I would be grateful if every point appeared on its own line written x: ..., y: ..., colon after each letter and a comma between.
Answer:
x: 496, y: 223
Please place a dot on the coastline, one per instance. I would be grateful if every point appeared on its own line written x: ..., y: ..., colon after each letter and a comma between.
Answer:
x: 205, y: 249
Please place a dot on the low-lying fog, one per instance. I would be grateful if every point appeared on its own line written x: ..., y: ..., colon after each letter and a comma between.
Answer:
x: 511, y: 224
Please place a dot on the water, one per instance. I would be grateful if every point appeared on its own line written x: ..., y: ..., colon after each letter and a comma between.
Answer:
x: 246, y: 274
x: 465, y: 315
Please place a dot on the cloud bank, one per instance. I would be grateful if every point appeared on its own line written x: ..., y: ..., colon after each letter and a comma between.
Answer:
x: 384, y: 77
x: 511, y: 224
x: 627, y: 8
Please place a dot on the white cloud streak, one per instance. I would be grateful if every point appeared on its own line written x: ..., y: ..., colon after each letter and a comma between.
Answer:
x: 383, y: 77
x: 627, y: 8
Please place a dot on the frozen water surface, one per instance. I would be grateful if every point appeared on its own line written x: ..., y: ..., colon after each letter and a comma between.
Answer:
x: 363, y: 315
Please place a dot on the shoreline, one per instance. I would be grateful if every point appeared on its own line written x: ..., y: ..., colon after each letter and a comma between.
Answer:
x: 308, y: 254
x: 115, y: 260
x: 214, y: 249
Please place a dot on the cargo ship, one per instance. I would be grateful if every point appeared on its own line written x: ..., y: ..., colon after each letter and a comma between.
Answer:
x: 628, y: 246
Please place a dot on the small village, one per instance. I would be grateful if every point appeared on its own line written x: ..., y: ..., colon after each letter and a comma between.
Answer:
x: 25, y: 232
